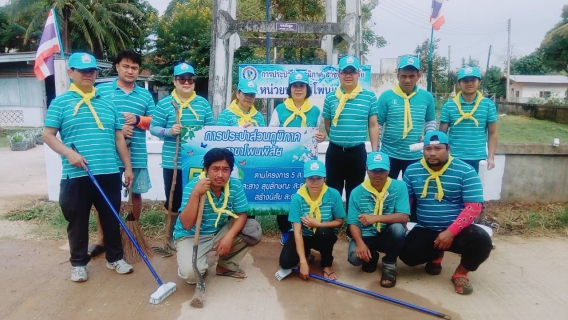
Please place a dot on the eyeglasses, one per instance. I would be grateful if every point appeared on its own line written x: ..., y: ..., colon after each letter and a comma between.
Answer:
x: 349, y: 73
x: 86, y: 71
x: 185, y: 80
x: 250, y: 95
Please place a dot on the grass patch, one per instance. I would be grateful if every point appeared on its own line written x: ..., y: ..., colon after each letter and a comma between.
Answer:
x: 521, y: 129
x: 541, y: 219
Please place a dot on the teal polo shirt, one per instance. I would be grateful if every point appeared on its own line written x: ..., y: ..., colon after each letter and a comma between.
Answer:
x: 467, y: 141
x: 237, y: 204
x: 283, y: 114
x: 391, y: 120
x: 461, y: 184
x: 97, y: 146
x: 362, y: 201
x: 164, y: 116
x: 331, y: 208
x: 139, y: 101
x: 228, y: 119
x: 353, y: 123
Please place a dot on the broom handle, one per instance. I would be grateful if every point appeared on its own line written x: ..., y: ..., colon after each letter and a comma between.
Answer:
x: 199, y: 218
x: 174, y: 177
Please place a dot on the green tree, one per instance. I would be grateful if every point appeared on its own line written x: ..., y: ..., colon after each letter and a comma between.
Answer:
x: 439, y: 65
x: 494, y: 82
x: 554, y: 47
x: 531, y: 64
x: 12, y: 32
x: 470, y: 63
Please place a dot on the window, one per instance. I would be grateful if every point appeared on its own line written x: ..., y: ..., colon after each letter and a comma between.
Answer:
x: 544, y: 94
x: 517, y: 94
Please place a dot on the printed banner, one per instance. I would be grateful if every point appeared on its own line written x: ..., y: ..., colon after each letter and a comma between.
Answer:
x: 272, y: 79
x: 268, y: 161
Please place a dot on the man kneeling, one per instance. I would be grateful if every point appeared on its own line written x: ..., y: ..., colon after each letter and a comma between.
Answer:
x: 377, y: 210
x: 449, y: 197
x: 224, y: 216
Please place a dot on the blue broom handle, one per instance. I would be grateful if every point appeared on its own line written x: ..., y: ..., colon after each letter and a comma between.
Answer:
x: 380, y: 296
x: 120, y: 221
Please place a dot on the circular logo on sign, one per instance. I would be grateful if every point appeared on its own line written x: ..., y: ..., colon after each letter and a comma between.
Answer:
x: 249, y: 73
x: 314, y: 166
x: 86, y: 58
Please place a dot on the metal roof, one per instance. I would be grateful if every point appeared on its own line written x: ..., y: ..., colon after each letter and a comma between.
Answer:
x: 30, y: 56
x: 540, y: 79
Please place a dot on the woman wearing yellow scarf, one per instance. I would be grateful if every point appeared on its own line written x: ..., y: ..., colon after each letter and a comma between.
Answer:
x: 241, y: 112
x: 316, y: 212
x: 296, y: 111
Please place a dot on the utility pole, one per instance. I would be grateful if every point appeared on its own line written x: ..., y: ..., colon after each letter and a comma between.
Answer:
x: 430, y: 53
x: 487, y: 68
x: 508, y: 93
x: 449, y: 64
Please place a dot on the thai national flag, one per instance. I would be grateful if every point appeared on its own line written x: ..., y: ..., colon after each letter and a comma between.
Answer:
x: 437, y: 18
x: 48, y: 46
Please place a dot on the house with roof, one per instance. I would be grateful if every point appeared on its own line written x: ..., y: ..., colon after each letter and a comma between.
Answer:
x: 525, y: 87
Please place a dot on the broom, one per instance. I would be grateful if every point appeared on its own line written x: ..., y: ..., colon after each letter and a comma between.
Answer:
x: 131, y: 255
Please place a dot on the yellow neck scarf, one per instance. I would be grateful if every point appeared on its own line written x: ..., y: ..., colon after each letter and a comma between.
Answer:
x: 343, y: 97
x: 87, y: 100
x: 243, y: 118
x: 435, y: 175
x: 469, y: 115
x: 314, y: 204
x: 185, y: 104
x: 407, y: 115
x: 380, y: 197
x: 223, y: 209
x: 289, y: 103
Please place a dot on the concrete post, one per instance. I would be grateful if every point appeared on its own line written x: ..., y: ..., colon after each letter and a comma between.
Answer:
x: 218, y: 78
x: 327, y: 44
x: 60, y: 76
x: 354, y: 7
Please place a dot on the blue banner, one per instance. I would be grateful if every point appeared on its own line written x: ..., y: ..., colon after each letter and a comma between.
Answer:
x: 268, y: 160
x: 272, y: 79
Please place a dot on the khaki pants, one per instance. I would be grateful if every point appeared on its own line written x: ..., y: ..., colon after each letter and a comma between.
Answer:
x: 184, y: 247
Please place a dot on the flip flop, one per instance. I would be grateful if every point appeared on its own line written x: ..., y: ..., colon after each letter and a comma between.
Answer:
x: 327, y: 275
x: 240, y: 274
x: 95, y: 250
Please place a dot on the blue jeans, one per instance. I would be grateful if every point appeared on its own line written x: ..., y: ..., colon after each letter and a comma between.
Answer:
x: 389, y: 241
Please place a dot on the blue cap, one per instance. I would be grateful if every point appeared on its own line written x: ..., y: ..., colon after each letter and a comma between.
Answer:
x: 349, y: 61
x: 314, y: 168
x: 247, y: 86
x: 378, y: 160
x: 469, y: 72
x: 442, y: 138
x: 298, y: 76
x: 183, y: 68
x: 409, y: 61
x: 81, y: 60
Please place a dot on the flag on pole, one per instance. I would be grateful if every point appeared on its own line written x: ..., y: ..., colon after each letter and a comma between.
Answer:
x: 48, y: 46
x: 437, y: 18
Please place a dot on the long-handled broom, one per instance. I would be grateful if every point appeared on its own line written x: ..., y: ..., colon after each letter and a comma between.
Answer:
x: 165, y: 289
x: 199, y: 294
x: 130, y: 253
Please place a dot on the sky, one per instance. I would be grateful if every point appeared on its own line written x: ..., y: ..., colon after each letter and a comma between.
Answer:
x: 471, y: 26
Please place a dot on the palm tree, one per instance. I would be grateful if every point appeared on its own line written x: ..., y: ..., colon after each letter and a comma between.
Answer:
x: 100, y: 26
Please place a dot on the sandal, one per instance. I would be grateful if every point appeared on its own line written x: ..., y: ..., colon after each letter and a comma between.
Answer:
x: 462, y: 284
x: 95, y: 250
x: 434, y: 267
x: 328, y: 275
x: 239, y: 274
x: 388, y: 275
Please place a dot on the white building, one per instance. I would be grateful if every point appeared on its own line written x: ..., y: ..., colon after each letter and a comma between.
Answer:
x: 525, y: 87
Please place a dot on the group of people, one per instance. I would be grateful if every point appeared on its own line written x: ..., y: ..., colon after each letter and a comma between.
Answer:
x: 108, y: 124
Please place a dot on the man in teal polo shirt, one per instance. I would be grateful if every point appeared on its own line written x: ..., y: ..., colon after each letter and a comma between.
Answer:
x: 194, y: 110
x: 471, y: 120
x: 86, y: 120
x: 349, y: 114
x: 449, y: 198
x: 405, y: 113
x: 378, y: 208
x: 134, y: 104
x: 224, y: 217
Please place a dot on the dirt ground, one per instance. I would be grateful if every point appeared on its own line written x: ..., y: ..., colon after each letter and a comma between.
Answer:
x: 523, y: 278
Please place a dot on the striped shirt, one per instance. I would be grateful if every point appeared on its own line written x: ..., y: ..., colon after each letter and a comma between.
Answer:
x: 331, y: 208
x: 237, y: 204
x: 139, y: 101
x: 391, y: 120
x: 164, y: 116
x: 353, y: 123
x: 362, y: 201
x: 467, y: 141
x: 282, y: 114
x: 228, y: 119
x: 96, y: 145
x: 461, y: 184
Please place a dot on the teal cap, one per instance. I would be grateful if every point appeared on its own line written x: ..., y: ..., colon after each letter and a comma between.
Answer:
x: 442, y: 138
x: 378, y: 160
x: 298, y: 76
x: 349, y: 61
x: 409, y: 61
x: 247, y: 86
x: 183, y: 68
x: 81, y: 60
x: 314, y: 168
x: 469, y: 72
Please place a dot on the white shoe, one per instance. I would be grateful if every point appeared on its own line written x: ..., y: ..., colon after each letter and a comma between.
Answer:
x: 120, y: 266
x: 79, y: 274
